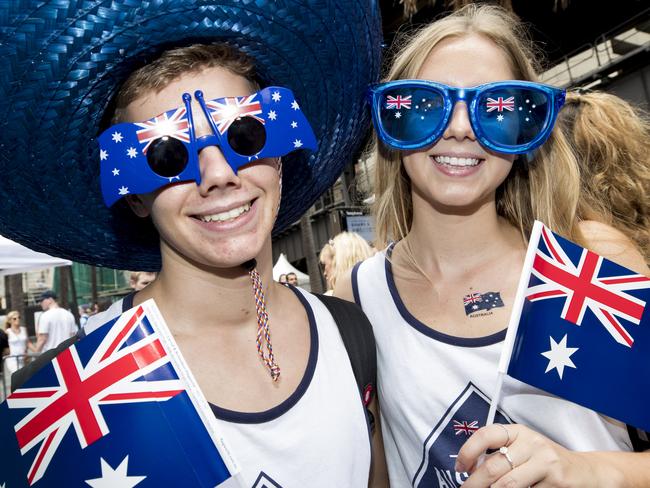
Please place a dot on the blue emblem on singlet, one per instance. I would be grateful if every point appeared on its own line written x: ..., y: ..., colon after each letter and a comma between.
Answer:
x: 265, y: 481
x: 465, y: 416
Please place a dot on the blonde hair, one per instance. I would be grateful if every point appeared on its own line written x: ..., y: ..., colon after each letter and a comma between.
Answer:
x: 348, y: 248
x: 611, y: 141
x: 326, y: 252
x: 10, y: 315
x: 158, y: 74
x: 545, y: 187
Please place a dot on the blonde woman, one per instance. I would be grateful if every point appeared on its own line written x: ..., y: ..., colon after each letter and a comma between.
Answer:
x: 349, y: 248
x: 467, y: 159
x: 340, y: 255
x: 325, y: 258
x: 19, y: 342
x: 611, y: 140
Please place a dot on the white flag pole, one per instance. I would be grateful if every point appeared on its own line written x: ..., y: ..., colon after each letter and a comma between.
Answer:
x: 515, y: 315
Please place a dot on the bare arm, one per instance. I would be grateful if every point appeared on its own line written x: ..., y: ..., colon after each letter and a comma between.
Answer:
x: 613, y: 245
x: 378, y: 471
x: 40, y: 342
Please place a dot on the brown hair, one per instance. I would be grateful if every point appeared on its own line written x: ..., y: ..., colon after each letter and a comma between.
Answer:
x: 611, y: 140
x: 544, y: 187
x: 156, y: 75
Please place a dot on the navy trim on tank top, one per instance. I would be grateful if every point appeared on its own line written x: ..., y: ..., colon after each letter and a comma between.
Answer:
x: 355, y: 283
x: 286, y: 405
x: 127, y: 302
x: 428, y: 331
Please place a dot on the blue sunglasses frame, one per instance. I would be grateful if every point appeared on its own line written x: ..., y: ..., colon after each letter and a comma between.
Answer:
x: 451, y: 96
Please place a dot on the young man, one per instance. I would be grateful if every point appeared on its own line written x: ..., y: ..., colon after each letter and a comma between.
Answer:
x: 198, y: 155
x: 292, y: 279
x: 55, y: 324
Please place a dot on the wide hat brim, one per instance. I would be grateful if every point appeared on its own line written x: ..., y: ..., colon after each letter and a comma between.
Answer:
x: 63, y: 62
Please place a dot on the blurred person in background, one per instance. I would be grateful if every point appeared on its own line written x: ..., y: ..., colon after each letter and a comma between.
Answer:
x: 139, y: 279
x: 348, y: 249
x: 18, y: 342
x: 292, y: 279
x: 282, y: 278
x: 611, y: 140
x: 325, y: 258
x: 55, y: 325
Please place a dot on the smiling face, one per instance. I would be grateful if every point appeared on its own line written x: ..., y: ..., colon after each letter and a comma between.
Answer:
x: 226, y: 220
x: 457, y: 174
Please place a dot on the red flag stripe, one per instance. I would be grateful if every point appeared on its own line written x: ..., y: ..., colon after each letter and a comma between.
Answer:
x: 125, y: 330
x: 143, y: 394
x: 41, y: 454
x: 622, y: 332
x: 549, y: 245
x: 623, y: 279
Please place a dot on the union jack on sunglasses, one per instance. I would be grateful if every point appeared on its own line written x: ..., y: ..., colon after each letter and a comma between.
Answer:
x: 512, y: 117
x: 144, y: 156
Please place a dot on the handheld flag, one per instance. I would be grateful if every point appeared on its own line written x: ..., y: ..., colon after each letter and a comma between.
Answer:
x: 118, y: 408
x: 580, y: 329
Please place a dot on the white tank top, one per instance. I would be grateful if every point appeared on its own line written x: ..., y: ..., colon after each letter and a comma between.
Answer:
x: 316, y: 438
x: 434, y: 391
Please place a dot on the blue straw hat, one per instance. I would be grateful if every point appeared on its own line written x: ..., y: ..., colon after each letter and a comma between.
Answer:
x: 64, y: 60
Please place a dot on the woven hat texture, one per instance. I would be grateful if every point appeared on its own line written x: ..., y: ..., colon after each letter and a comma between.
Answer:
x: 63, y: 61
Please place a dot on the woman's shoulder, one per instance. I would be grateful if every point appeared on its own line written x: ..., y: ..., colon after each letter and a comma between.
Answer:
x: 612, y: 244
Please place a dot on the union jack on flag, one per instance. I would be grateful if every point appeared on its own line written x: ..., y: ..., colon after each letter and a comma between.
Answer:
x: 584, y: 286
x: 500, y: 104
x: 580, y: 329
x: 173, y: 124
x: 472, y: 298
x: 398, y: 102
x: 113, y: 396
x: 465, y: 427
x: 227, y: 110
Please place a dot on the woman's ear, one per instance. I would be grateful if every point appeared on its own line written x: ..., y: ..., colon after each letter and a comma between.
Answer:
x: 137, y: 205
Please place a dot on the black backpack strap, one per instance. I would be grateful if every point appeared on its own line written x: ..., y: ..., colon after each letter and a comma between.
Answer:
x: 359, y: 341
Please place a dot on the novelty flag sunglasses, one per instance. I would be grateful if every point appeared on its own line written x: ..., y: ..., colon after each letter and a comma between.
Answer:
x: 511, y: 117
x: 142, y: 157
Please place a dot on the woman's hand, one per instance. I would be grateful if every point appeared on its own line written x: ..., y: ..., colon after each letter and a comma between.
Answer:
x: 525, y: 458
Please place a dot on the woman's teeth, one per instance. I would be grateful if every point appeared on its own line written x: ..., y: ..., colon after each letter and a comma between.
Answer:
x: 453, y: 161
x: 228, y: 215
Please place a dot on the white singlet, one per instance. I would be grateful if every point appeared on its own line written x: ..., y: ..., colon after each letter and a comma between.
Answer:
x: 318, y: 437
x: 434, y: 391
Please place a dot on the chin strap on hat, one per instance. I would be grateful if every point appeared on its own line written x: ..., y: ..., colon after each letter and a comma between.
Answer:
x: 263, y: 330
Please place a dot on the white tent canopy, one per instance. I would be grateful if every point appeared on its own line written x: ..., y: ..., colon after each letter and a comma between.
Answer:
x: 283, y: 266
x: 15, y: 258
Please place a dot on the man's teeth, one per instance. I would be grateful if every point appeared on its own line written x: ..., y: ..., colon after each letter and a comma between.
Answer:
x: 453, y: 161
x: 229, y: 215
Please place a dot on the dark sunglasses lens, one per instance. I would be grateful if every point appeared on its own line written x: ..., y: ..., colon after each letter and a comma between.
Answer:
x: 411, y: 114
x: 247, y: 136
x: 167, y: 156
x: 513, y: 116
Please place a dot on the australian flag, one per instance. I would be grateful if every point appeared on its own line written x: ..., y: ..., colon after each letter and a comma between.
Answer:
x: 115, y: 409
x: 584, y: 330
x: 476, y: 302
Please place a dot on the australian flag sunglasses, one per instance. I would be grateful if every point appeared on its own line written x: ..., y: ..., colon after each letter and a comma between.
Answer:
x: 512, y: 117
x: 144, y: 156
